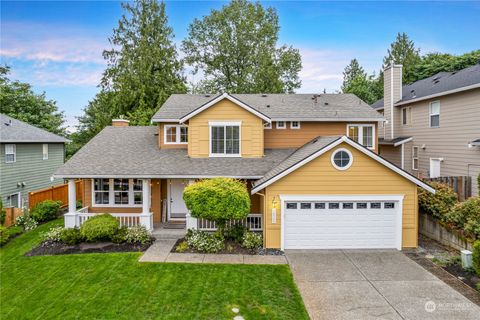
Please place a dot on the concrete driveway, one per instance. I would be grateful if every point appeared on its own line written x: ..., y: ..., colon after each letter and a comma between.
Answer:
x: 373, y: 284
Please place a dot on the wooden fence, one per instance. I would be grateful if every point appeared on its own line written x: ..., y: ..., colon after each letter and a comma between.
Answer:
x: 56, y: 193
x: 11, y: 215
x: 462, y: 185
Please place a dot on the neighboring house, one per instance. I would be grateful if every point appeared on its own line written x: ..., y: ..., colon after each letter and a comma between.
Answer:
x: 29, y: 157
x: 311, y: 186
x: 433, y: 125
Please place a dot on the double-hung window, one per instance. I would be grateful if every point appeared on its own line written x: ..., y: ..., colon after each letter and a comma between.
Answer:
x: 363, y: 134
x: 10, y: 153
x: 45, y: 151
x: 117, y: 192
x: 435, y: 114
x: 175, y: 134
x: 414, y: 158
x: 225, y: 139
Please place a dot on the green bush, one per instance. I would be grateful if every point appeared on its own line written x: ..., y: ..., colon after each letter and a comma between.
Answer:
x: 182, y: 247
x: 217, y: 199
x: 99, y: 228
x: 71, y: 236
x: 53, y: 234
x: 137, y: 234
x: 235, y: 232
x: 46, y: 210
x: 120, y: 236
x: 4, y: 235
x: 466, y: 216
x: 205, y: 242
x: 252, y: 240
x: 3, y: 214
x: 476, y: 257
x: 438, y: 204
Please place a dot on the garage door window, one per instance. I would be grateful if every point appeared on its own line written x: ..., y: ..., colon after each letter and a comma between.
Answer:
x: 305, y: 205
x: 389, y: 205
x: 334, y: 205
x: 348, y: 205
x: 320, y: 205
x: 291, y: 205
x: 361, y: 205
x: 375, y: 205
x: 341, y: 159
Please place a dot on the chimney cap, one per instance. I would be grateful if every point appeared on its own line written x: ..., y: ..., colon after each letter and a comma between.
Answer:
x: 121, y: 120
x: 393, y: 65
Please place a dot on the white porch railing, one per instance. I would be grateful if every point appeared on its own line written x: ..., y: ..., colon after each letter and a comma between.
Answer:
x: 253, y: 222
x: 125, y: 219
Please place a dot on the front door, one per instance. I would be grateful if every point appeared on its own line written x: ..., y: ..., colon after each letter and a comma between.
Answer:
x: 435, y: 168
x: 177, y: 206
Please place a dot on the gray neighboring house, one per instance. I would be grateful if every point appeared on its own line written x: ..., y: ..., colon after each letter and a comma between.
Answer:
x: 29, y: 157
x: 432, y: 126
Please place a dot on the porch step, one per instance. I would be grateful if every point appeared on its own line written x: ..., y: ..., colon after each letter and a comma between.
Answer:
x: 170, y: 234
x: 173, y: 225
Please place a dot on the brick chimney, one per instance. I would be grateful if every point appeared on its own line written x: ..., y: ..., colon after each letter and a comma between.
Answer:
x: 120, y: 122
x: 392, y: 92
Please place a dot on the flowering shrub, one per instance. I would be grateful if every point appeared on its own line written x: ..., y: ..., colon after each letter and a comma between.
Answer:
x: 252, y: 240
x: 205, y: 242
x: 54, y: 234
x: 438, y: 204
x: 26, y: 222
x: 137, y: 234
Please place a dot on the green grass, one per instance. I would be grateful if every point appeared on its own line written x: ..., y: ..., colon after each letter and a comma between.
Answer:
x: 117, y: 286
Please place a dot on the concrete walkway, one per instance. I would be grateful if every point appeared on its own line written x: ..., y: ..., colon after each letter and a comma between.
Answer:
x: 373, y: 284
x: 160, y: 252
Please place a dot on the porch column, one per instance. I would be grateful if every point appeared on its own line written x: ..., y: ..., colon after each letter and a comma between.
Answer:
x: 71, y: 215
x: 146, y: 217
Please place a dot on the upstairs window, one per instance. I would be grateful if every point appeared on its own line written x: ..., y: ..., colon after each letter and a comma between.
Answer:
x: 295, y: 125
x: 435, y: 114
x: 414, y: 158
x: 281, y: 125
x: 363, y: 134
x: 175, y: 134
x: 45, y: 151
x: 225, y: 139
x: 406, y: 116
x: 10, y: 153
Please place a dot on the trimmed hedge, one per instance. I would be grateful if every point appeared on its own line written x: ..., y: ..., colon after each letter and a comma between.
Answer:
x: 46, y: 210
x: 99, y: 228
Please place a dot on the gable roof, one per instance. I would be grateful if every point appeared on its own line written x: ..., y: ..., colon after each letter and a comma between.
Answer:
x: 16, y: 131
x: 440, y: 84
x: 276, y: 107
x: 133, y: 152
x: 316, y: 148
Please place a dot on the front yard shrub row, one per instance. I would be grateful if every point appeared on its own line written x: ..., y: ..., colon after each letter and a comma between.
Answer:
x: 46, y: 210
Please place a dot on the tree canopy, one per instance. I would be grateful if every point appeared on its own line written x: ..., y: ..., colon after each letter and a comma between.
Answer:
x: 235, y: 48
x: 20, y: 102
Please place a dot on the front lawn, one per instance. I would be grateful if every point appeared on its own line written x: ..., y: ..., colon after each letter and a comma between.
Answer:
x: 116, y: 286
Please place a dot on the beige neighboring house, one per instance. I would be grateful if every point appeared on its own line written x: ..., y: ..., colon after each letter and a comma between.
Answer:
x: 432, y: 126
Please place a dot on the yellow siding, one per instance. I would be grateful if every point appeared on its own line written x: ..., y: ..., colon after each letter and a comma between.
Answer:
x: 225, y: 110
x: 365, y: 176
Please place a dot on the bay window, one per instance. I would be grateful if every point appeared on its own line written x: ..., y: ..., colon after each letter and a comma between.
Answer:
x: 363, y: 134
x: 225, y: 139
x: 117, y: 192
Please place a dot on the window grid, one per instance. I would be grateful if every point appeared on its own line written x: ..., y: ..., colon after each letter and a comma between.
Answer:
x: 10, y: 153
x: 363, y: 134
x: 435, y: 114
x: 118, y: 192
x: 176, y: 134
x: 225, y: 140
x: 281, y: 125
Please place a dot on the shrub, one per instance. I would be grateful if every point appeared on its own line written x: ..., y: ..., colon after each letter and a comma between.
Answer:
x: 466, y: 215
x: 3, y: 214
x: 218, y: 199
x: 252, y: 240
x: 235, y: 232
x: 120, y: 236
x: 26, y: 221
x: 79, y: 204
x: 137, y: 234
x: 71, y: 236
x: 46, y: 210
x: 205, y: 242
x: 438, y: 204
x: 4, y: 235
x: 476, y: 257
x: 182, y: 247
x: 53, y: 234
x: 99, y: 228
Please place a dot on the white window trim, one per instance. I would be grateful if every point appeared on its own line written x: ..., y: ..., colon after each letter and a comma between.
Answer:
x: 335, y: 165
x: 284, y: 125
x: 19, y: 199
x: 413, y: 157
x: 267, y: 125
x: 360, y: 133
x: 14, y: 148
x: 45, y: 154
x: 292, y: 127
x: 430, y: 114
x: 177, y: 133
x: 111, y: 195
x: 224, y: 124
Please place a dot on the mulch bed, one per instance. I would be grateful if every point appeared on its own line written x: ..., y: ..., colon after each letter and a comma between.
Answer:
x: 56, y: 248
x: 232, y: 247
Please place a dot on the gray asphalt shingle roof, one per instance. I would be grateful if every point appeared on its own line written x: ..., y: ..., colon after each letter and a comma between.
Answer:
x: 134, y: 152
x: 300, y: 154
x: 277, y: 106
x: 441, y: 82
x: 16, y: 131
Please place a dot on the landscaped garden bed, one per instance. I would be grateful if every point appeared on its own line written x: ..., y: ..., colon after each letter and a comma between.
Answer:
x: 54, y: 248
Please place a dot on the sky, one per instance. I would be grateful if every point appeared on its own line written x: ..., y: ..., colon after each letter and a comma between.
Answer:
x: 57, y: 46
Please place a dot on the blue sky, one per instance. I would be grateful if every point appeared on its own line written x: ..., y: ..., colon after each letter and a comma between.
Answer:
x: 57, y: 46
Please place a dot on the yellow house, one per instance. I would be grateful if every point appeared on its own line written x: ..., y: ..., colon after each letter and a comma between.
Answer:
x: 309, y: 161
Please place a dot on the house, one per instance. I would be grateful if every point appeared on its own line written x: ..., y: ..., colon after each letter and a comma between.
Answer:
x: 29, y: 157
x: 310, y: 163
x: 433, y: 125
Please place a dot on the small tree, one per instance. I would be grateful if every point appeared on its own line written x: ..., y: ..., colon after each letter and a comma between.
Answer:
x: 218, y: 199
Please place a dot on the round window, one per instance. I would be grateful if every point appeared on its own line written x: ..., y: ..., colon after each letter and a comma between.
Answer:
x: 342, y: 159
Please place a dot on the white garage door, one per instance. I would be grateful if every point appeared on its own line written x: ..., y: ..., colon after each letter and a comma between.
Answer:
x: 320, y: 223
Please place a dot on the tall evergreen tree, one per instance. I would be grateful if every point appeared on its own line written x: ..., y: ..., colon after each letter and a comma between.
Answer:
x: 402, y: 51
x: 236, y: 50
x: 352, y: 71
